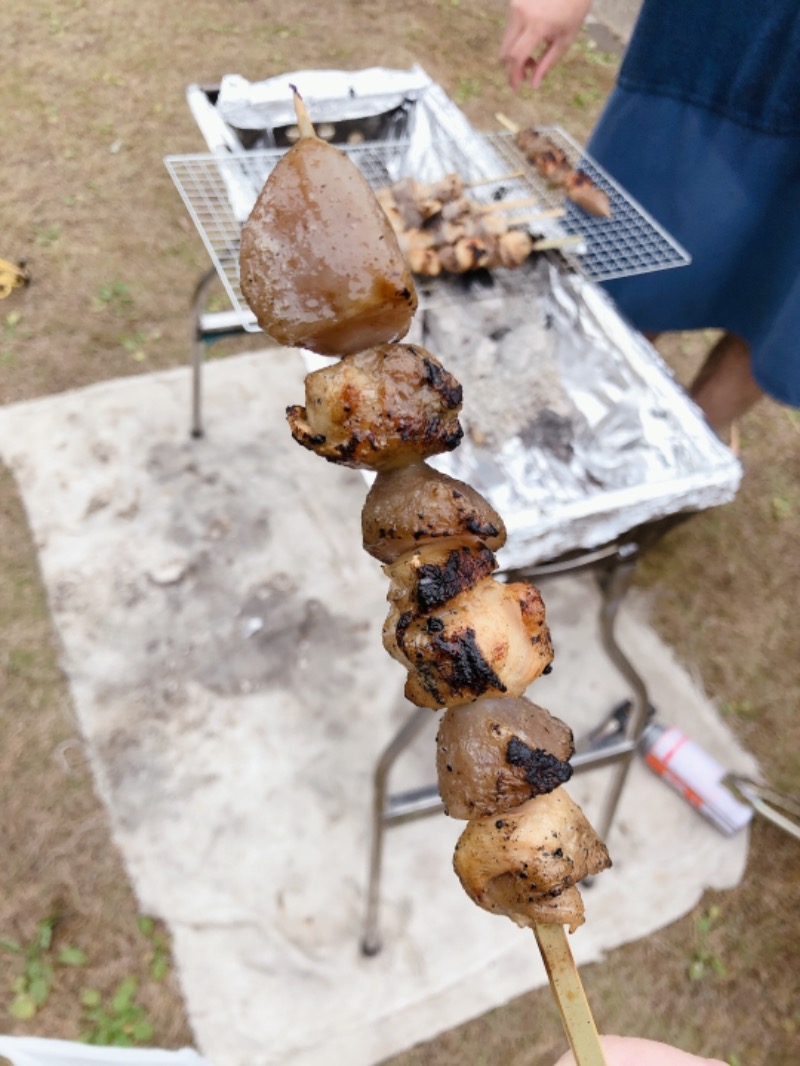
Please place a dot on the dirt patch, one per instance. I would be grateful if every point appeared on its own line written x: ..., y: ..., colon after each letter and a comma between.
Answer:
x: 94, y: 100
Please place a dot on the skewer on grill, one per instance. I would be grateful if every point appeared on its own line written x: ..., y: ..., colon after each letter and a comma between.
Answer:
x: 463, y: 634
x: 552, y: 164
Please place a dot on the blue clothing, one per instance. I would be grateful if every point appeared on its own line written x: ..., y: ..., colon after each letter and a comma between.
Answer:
x: 703, y: 129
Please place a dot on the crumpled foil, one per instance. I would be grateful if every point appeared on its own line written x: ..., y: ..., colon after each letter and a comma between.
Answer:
x: 576, y: 431
x: 590, y: 434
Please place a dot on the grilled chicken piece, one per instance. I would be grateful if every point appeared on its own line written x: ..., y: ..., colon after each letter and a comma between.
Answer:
x: 583, y: 192
x: 553, y: 167
x: 532, y: 143
x: 487, y: 641
x: 521, y: 864
x: 494, y: 754
x: 552, y: 163
x: 319, y: 262
x: 425, y: 262
x: 417, y: 505
x: 448, y: 188
x: 513, y: 248
x: 379, y: 409
x: 426, y: 578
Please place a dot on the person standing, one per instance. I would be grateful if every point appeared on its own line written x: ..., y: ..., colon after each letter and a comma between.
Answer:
x: 703, y: 129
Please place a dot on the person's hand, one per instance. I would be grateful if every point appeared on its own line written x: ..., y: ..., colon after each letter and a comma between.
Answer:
x: 538, y: 33
x: 630, y: 1051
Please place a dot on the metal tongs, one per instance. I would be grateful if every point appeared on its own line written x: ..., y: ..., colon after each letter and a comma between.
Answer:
x: 611, y: 730
x: 783, y: 811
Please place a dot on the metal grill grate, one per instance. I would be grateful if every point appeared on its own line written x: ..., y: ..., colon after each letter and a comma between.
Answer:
x: 219, y: 191
x: 630, y: 242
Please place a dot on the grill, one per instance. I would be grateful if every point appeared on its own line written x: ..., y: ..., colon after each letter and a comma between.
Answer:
x: 219, y: 192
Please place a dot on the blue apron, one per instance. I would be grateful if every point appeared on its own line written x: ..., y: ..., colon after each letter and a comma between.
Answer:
x: 703, y: 128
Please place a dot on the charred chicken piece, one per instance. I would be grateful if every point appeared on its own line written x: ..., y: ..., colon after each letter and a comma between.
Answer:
x: 552, y: 163
x: 532, y: 143
x: 425, y: 579
x: 417, y: 505
x: 524, y: 863
x: 513, y: 248
x: 319, y: 262
x: 494, y: 754
x: 488, y: 641
x: 583, y: 192
x: 553, y: 167
x: 379, y: 409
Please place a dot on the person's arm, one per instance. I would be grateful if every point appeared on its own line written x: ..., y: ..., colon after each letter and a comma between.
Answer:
x: 538, y: 33
x: 631, y: 1051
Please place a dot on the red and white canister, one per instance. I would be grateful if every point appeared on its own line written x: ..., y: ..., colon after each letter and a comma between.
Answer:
x: 690, y: 770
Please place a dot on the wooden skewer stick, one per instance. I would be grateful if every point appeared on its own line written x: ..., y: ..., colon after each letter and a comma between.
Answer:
x: 303, y: 121
x: 506, y: 122
x: 546, y: 243
x: 509, y: 205
x: 568, y: 992
x: 494, y: 181
x: 536, y: 216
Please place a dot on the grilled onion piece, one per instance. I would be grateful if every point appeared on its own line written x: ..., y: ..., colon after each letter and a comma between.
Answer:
x: 490, y: 640
x: 494, y: 754
x: 319, y: 262
x: 379, y: 409
x: 520, y: 863
x: 416, y: 505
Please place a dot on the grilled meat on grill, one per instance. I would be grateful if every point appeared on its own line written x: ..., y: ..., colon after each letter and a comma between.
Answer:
x: 552, y: 163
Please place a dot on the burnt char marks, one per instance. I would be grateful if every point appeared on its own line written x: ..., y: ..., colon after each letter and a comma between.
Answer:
x: 466, y: 669
x: 443, y: 383
x: 481, y: 529
x: 452, y: 663
x: 543, y: 771
x: 461, y: 570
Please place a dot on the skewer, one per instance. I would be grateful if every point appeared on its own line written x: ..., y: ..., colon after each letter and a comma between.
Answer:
x: 494, y: 181
x: 547, y: 243
x: 303, y: 121
x: 536, y: 216
x: 509, y: 205
x: 506, y: 122
x: 569, y: 994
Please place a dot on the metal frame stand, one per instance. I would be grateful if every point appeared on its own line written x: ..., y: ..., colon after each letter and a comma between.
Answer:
x: 207, y: 327
x: 615, y: 565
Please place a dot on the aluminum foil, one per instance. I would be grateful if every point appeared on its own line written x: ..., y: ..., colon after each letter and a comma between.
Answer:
x: 590, y: 434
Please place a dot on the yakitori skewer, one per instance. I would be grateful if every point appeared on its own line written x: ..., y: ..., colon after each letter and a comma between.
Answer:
x: 569, y: 994
x: 552, y: 164
x: 495, y: 180
x: 470, y: 643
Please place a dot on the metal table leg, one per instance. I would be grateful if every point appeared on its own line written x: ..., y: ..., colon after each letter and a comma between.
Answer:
x: 615, y: 581
x: 206, y: 328
x: 389, y: 810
